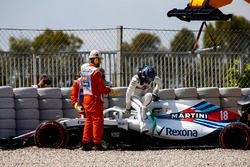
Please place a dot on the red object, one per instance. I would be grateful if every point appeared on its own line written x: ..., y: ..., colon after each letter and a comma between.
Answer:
x: 93, y: 105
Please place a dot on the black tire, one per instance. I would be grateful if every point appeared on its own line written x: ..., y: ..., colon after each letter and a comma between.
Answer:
x: 235, y: 136
x: 51, y: 134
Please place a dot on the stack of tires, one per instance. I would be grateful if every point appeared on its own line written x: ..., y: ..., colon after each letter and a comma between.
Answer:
x: 229, y: 98
x: 7, y: 112
x: 186, y: 93
x: 50, y: 104
x: 68, y: 110
x: 245, y: 91
x: 116, y: 100
x: 27, y: 114
x: 167, y: 94
x: 210, y: 94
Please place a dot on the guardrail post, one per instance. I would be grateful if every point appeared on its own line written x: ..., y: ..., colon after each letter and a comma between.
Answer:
x: 118, y: 64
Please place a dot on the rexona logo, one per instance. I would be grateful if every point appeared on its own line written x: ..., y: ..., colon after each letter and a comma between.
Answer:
x: 178, y: 132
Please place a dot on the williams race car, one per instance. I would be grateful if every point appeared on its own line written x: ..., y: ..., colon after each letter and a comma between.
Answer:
x: 170, y: 123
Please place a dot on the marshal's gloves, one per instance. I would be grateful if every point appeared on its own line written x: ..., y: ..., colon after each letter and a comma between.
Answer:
x: 156, y: 97
x: 114, y: 92
x: 79, y: 108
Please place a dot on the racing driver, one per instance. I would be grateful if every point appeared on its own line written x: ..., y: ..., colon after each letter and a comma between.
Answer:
x: 138, y: 94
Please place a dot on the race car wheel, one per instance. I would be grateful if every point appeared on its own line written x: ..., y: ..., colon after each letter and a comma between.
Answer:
x: 235, y: 136
x: 51, y: 134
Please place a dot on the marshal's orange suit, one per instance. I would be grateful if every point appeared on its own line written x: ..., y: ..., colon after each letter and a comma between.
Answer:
x: 93, y: 105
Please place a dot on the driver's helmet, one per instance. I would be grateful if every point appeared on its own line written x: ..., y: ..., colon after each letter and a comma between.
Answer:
x: 148, y: 74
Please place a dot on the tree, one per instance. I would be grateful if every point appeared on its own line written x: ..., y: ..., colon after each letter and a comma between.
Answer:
x: 237, y: 77
x: 56, y: 41
x: 20, y: 45
x: 143, y: 42
x: 183, y: 41
x: 143, y: 45
x: 233, y: 36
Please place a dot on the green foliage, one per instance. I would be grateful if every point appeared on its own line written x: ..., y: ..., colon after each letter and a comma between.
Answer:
x: 183, y: 41
x: 50, y: 42
x: 143, y: 42
x: 232, y: 36
x: 239, y: 77
x: 20, y: 45
x: 56, y: 41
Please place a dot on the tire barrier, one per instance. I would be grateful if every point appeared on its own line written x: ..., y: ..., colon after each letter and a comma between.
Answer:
x: 7, y: 112
x: 50, y: 104
x: 67, y: 108
x: 210, y: 94
x: 27, y: 113
x: 186, y: 93
x: 110, y: 101
x: 167, y: 94
x: 229, y: 98
x: 30, y: 103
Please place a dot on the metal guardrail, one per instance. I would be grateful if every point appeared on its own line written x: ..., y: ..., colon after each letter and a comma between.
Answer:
x: 26, y: 54
x: 176, y: 69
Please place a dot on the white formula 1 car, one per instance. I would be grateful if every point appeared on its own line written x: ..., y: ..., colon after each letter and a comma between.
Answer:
x: 171, y: 123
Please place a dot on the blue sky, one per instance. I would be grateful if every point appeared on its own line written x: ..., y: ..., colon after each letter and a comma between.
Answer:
x: 95, y: 14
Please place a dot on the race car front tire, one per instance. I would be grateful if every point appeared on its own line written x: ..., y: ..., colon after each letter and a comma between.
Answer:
x: 51, y: 134
x: 235, y: 136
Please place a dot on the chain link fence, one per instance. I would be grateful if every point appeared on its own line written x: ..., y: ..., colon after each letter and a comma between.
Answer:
x: 26, y: 54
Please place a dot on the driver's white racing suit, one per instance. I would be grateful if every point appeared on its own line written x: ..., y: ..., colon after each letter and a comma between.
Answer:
x: 138, y: 96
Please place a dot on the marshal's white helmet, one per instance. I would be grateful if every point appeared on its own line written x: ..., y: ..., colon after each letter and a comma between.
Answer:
x: 95, y: 54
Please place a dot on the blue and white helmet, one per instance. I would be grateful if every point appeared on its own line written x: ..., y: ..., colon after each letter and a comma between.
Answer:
x: 148, y: 73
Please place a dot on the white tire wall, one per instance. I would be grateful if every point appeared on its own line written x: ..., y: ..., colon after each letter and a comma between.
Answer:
x: 70, y: 113
x: 121, y: 102
x: 27, y: 113
x: 214, y: 101
x: 66, y: 92
x: 8, y: 124
x: 29, y: 124
x: 167, y: 94
x: 230, y: 92
x: 7, y: 112
x: 229, y: 98
x: 49, y: 93
x: 26, y: 103
x: 227, y: 102
x: 51, y: 103
x: 7, y: 102
x: 6, y: 91
x: 26, y: 92
x: 182, y: 93
x: 123, y: 91
x: 66, y: 103
x: 5, y: 133
x: 245, y: 91
x: 68, y: 110
x: 209, y: 92
x: 235, y: 109
x: 51, y: 114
